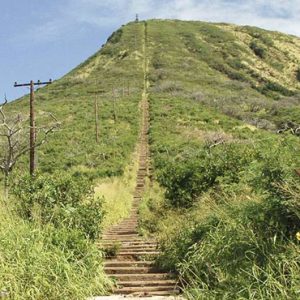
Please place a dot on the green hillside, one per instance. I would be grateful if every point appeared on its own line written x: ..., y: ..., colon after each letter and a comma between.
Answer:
x: 224, y: 203
x: 214, y: 64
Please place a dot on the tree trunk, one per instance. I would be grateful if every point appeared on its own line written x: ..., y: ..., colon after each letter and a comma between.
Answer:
x: 6, y: 184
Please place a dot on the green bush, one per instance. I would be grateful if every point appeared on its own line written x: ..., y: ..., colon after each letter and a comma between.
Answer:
x: 187, y: 178
x: 259, y: 50
x: 47, y: 263
x: 298, y: 74
x: 273, y: 86
x: 238, y: 245
x: 116, y: 36
x: 62, y: 200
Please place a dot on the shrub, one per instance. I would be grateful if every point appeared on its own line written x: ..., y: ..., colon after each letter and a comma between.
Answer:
x: 237, y: 244
x: 47, y: 263
x: 259, y: 50
x: 116, y: 36
x: 157, y: 61
x: 186, y: 179
x: 109, y: 50
x: 112, y: 250
x: 168, y: 86
x: 276, y: 87
x: 61, y: 200
x: 298, y: 74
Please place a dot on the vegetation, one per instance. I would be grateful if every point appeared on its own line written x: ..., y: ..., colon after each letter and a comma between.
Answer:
x: 39, y: 262
x: 232, y: 191
x: 224, y: 206
x: 51, y: 223
x: 260, y: 51
x: 60, y: 200
x: 298, y: 74
x: 225, y: 200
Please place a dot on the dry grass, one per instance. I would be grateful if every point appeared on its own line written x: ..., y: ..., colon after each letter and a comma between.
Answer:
x: 117, y: 193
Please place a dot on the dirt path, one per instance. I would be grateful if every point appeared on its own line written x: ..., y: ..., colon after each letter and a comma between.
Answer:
x: 133, y: 266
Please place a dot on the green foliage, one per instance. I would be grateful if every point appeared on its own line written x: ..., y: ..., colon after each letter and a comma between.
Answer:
x: 229, y: 219
x: 298, y: 74
x: 115, y: 37
x: 236, y: 246
x: 259, y: 34
x: 46, y: 262
x: 112, y: 250
x: 60, y: 200
x: 185, y: 179
x: 258, y: 49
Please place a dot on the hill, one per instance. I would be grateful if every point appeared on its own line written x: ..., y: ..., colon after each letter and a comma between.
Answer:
x: 245, y: 72
x: 223, y: 200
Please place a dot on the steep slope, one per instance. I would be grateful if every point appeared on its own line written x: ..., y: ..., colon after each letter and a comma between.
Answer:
x: 239, y: 70
x: 224, y: 209
x: 113, y: 75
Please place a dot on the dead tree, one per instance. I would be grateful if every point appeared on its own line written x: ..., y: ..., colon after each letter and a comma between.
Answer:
x: 14, y: 140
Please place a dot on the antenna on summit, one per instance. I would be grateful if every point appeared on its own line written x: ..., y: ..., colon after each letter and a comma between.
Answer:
x: 136, y: 18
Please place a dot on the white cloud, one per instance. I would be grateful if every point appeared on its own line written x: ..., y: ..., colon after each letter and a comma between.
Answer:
x: 281, y: 15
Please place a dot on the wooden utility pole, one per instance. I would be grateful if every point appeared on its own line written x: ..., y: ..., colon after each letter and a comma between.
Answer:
x: 32, y: 137
x: 96, y: 119
x: 114, y: 105
x: 123, y: 90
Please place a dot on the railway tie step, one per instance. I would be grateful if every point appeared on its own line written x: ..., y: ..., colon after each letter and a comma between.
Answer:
x: 133, y: 264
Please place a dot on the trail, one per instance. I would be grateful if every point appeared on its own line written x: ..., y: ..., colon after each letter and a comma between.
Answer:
x: 133, y: 266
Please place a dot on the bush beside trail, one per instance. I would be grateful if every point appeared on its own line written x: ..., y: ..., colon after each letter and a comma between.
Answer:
x: 226, y: 211
x: 47, y: 248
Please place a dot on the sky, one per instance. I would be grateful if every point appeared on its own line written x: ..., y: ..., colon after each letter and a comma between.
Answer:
x: 46, y: 39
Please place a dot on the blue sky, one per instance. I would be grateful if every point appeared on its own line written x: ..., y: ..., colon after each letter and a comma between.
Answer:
x: 46, y: 39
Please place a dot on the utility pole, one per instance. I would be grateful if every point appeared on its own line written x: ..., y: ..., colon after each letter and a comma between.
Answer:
x: 114, y: 105
x: 96, y: 117
x: 32, y: 137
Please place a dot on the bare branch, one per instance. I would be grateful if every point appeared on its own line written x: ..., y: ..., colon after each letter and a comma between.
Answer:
x: 13, y: 138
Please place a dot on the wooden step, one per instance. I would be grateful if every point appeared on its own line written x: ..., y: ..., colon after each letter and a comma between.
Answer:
x: 129, y: 270
x: 144, y: 277
x: 123, y: 236
x: 121, y: 232
x: 138, y: 252
x: 145, y: 290
x: 119, y: 263
x: 127, y: 243
x: 138, y: 247
x: 130, y: 283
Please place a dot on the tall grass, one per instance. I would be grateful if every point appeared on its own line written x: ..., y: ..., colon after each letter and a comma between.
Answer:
x: 117, y: 194
x: 43, y: 262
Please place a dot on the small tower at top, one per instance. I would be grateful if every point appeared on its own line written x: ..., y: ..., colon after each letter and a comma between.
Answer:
x: 136, y: 18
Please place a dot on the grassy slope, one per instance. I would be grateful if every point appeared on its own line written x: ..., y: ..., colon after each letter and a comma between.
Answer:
x: 71, y: 100
x: 225, y: 215
x: 200, y: 60
x: 58, y: 263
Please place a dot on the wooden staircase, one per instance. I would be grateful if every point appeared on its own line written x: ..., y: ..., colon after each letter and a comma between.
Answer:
x: 133, y: 266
